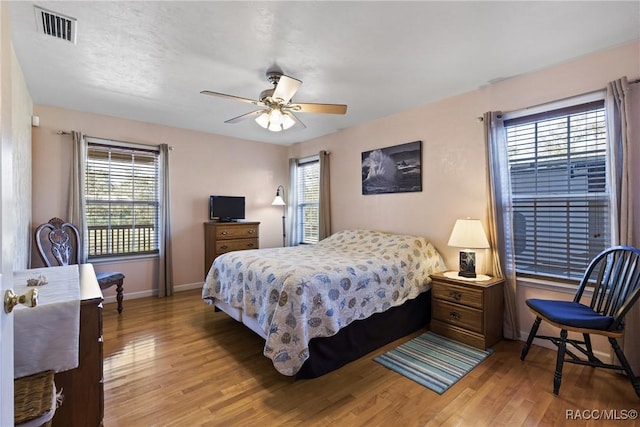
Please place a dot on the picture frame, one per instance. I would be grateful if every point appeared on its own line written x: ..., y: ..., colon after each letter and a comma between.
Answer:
x: 395, y: 169
x: 467, y: 264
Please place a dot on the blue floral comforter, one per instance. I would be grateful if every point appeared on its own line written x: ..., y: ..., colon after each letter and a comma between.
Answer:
x: 298, y: 293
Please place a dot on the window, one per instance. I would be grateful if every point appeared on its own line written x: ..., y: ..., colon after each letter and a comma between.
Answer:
x: 308, y: 197
x: 561, y: 197
x: 121, y: 193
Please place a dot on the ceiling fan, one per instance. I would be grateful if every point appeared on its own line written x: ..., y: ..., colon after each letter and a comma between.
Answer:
x: 278, y: 112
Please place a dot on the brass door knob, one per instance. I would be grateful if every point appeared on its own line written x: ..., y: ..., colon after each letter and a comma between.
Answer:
x: 29, y: 298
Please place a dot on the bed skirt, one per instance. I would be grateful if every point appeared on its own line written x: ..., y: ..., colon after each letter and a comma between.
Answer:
x: 364, y: 336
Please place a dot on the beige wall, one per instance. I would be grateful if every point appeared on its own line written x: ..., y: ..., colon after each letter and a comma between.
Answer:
x: 200, y: 164
x: 453, y: 153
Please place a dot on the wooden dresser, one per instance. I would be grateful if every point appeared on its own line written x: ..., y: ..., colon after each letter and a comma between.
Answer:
x: 83, y: 387
x: 467, y: 311
x: 222, y: 237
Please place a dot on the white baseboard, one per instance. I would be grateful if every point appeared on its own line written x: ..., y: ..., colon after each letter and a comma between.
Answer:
x: 153, y: 293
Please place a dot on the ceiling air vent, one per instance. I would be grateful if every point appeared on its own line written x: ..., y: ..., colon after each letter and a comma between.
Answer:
x: 55, y: 24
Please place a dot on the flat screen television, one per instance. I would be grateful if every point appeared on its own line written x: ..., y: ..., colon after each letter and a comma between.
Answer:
x: 226, y: 208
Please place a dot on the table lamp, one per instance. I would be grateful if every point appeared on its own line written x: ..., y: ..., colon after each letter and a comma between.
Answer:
x: 468, y: 234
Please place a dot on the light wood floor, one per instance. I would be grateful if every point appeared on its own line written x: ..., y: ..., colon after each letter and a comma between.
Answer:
x: 174, y: 362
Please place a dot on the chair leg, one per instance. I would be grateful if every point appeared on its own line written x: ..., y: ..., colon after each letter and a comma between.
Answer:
x: 532, y: 335
x: 625, y: 365
x: 119, y: 296
x: 587, y: 343
x: 562, y: 346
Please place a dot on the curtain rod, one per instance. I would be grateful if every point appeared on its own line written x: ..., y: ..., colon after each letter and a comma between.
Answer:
x: 64, y: 132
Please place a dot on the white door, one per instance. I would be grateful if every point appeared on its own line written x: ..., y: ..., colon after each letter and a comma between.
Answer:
x: 6, y: 361
x: 6, y: 219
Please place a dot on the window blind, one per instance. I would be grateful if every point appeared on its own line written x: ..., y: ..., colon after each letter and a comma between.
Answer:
x: 121, y: 192
x: 560, y: 194
x: 308, y: 192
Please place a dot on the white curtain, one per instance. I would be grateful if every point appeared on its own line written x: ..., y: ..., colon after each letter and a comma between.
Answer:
x: 622, y: 106
x: 500, y: 214
x: 165, y: 266
x: 76, y: 212
x: 324, y: 207
x: 292, y: 237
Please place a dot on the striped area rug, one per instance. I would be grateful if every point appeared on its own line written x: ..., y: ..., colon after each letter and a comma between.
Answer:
x: 433, y: 361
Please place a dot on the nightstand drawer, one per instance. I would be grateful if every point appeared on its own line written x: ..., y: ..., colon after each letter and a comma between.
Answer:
x: 456, y: 314
x: 235, y: 245
x: 237, y: 231
x: 457, y: 294
x: 459, y: 334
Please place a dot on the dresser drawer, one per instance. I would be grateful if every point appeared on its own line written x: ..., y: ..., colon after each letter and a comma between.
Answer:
x: 223, y: 237
x: 236, y: 231
x: 457, y: 294
x: 459, y: 315
x: 235, y: 245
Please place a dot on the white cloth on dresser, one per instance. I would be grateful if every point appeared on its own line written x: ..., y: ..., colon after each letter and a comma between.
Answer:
x: 47, y: 336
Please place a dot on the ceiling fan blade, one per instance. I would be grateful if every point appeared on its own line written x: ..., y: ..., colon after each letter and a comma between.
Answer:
x: 286, y: 88
x: 235, y: 98
x: 251, y: 115
x: 298, y: 121
x: 319, y: 108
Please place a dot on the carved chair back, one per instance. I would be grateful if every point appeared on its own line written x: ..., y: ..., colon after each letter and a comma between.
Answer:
x: 58, y: 242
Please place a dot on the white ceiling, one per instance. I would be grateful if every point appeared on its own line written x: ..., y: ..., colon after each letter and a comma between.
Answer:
x: 148, y: 61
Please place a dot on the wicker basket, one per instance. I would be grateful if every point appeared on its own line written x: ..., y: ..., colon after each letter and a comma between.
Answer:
x: 33, y: 396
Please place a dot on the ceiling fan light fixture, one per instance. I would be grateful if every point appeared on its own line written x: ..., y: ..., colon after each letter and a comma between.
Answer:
x: 263, y: 119
x: 287, y: 121
x: 275, y: 120
x: 275, y: 117
x: 273, y: 127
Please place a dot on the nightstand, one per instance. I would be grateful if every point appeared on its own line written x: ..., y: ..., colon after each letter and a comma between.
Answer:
x: 469, y: 311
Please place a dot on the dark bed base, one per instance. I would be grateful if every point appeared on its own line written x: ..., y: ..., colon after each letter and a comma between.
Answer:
x: 364, y: 336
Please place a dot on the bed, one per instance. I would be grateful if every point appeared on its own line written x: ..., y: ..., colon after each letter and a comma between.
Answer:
x: 320, y: 306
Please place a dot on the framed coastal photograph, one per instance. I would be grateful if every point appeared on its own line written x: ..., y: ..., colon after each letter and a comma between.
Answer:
x: 467, y: 264
x: 396, y: 169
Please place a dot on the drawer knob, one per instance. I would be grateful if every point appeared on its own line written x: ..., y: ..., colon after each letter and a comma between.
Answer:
x: 252, y: 231
x: 224, y: 232
x: 454, y: 315
x: 224, y: 247
x: 250, y: 245
x: 455, y: 295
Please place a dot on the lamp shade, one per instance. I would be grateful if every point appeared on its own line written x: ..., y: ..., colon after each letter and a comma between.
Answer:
x: 468, y: 233
x: 278, y: 200
x: 263, y: 120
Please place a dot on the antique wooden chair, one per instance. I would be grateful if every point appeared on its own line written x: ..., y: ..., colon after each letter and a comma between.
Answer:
x: 613, y: 278
x: 58, y: 243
